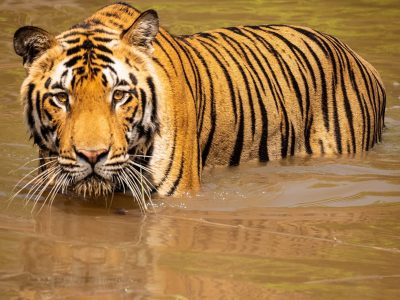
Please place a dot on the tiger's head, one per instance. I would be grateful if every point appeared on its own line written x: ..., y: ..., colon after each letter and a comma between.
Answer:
x: 90, y: 101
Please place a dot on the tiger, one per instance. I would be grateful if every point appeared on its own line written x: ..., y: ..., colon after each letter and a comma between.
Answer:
x: 118, y: 103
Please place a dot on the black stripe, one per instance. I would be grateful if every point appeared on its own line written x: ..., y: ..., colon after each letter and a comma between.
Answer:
x: 123, y: 82
x: 321, y: 146
x: 237, y: 151
x: 177, y: 180
x: 63, y: 75
x: 74, y: 50
x: 103, y: 48
x: 263, y: 146
x: 73, y: 81
x: 104, y: 80
x: 109, y: 14
x: 29, y: 110
x: 104, y: 58
x: 133, y: 79
x: 100, y: 30
x: 112, y: 70
x: 338, y: 134
x: 47, y: 83
x: 347, y: 105
x: 102, y: 39
x: 71, y: 62
x: 73, y: 41
x: 285, y: 139
x: 48, y: 115
x: 307, y: 135
x: 153, y: 100
x: 31, y: 121
x: 52, y: 103
x: 143, y: 101
x: 293, y: 139
x: 324, y: 90
x: 38, y: 106
x: 72, y: 33
x: 96, y: 21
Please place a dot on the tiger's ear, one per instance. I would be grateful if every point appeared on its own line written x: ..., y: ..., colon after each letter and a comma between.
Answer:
x: 30, y: 42
x: 143, y: 31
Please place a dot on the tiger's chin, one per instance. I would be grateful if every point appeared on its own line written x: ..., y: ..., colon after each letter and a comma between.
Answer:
x: 93, y: 186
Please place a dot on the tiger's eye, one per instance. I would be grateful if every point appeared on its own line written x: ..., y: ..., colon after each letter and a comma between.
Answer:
x: 62, y: 97
x: 118, y: 95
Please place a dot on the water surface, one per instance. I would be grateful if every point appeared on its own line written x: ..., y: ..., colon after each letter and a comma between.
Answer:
x: 305, y: 228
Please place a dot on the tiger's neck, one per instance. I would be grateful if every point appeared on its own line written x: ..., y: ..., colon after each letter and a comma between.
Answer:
x: 176, y: 149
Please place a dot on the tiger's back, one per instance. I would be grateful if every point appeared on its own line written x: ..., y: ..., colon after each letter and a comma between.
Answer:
x: 268, y: 92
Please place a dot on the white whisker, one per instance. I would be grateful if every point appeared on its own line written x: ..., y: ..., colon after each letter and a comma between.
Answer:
x: 144, y: 184
x: 26, y: 175
x: 37, y: 185
x: 128, y: 184
x: 37, y: 178
x: 49, y: 179
x: 32, y: 160
x: 52, y: 190
x: 139, y: 155
x: 28, y: 183
x: 120, y: 182
x: 132, y: 171
x: 140, y: 166
x: 148, y: 188
x: 131, y: 184
x: 131, y: 167
x: 134, y: 189
x: 57, y: 188
x: 54, y: 175
x: 67, y: 183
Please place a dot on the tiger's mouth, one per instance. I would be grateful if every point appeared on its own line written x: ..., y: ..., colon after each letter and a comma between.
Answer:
x: 133, y: 176
x: 93, y: 185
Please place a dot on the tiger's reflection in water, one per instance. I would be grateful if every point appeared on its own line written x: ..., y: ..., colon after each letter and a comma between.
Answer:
x: 196, y: 255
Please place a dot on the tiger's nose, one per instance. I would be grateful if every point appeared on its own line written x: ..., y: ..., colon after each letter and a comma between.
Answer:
x: 92, y: 156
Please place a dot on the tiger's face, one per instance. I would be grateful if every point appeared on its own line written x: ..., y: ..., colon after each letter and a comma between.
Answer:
x: 90, y: 102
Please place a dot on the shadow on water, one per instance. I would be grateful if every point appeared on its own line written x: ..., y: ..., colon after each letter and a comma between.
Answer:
x: 305, y: 228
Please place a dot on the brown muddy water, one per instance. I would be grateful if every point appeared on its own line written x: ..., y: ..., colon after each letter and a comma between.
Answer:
x: 295, y: 229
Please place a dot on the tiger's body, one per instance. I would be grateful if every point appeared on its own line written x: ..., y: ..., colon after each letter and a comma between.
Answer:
x: 214, y: 98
